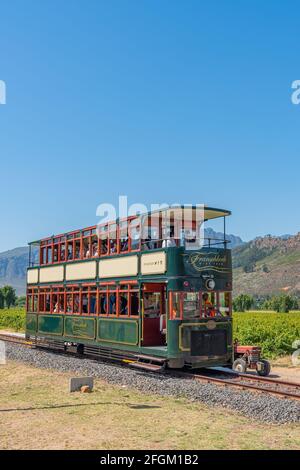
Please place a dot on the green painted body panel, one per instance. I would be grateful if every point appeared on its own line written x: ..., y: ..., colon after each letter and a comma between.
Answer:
x: 179, y: 332
x: 80, y: 327
x: 51, y: 324
x: 118, y: 331
x: 31, y: 323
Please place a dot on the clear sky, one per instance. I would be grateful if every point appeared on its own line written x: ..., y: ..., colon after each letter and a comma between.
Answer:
x: 161, y: 100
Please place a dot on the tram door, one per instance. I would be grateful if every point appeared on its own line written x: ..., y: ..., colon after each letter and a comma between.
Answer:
x: 154, y: 314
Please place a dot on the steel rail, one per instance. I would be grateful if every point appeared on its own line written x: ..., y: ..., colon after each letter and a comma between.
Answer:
x: 240, y: 381
x: 15, y: 339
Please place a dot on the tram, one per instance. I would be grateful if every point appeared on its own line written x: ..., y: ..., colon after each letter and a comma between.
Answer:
x: 130, y: 290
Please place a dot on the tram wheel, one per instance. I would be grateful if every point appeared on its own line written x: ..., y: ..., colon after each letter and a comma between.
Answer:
x: 240, y: 366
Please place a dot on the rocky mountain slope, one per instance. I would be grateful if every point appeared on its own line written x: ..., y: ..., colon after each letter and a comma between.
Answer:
x: 13, y: 264
x: 268, y: 265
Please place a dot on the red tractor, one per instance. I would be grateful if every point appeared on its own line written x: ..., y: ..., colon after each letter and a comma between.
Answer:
x: 249, y: 357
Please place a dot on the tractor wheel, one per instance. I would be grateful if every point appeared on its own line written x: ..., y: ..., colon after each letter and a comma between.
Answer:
x: 266, y: 369
x: 240, y: 366
x: 296, y: 358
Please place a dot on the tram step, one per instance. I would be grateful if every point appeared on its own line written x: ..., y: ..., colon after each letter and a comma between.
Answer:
x: 158, y: 359
x: 146, y: 366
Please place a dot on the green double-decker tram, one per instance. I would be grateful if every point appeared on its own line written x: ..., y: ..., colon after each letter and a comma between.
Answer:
x: 147, y: 290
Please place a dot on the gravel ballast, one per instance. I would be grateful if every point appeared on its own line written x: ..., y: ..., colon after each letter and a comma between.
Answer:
x: 262, y: 407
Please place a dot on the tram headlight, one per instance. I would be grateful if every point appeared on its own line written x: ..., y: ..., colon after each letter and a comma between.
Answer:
x: 210, y: 284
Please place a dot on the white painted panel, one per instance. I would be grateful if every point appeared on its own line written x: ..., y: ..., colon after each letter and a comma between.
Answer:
x: 118, y: 267
x: 33, y: 276
x: 154, y: 263
x: 52, y: 274
x: 78, y: 271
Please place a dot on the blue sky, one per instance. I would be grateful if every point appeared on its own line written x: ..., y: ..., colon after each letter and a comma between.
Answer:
x: 163, y: 101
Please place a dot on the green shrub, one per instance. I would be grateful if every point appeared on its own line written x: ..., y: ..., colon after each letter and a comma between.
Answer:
x: 274, y: 332
x: 13, y: 318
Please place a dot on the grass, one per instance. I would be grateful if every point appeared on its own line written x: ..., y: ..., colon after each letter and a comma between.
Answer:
x: 114, y: 417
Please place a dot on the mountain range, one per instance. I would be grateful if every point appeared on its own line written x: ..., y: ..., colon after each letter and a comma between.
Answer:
x: 267, y: 265
x: 264, y: 266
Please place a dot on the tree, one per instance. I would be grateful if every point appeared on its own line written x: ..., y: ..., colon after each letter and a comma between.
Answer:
x: 283, y: 303
x: 242, y: 302
x: 249, y: 267
x: 21, y: 301
x: 1, y: 299
x: 267, y: 305
x: 9, y: 294
x: 265, y: 268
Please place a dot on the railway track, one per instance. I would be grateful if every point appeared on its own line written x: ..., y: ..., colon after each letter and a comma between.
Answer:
x: 249, y: 382
x: 10, y: 338
x: 281, y: 388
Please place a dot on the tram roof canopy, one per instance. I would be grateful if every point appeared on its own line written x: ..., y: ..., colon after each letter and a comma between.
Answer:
x: 176, y: 212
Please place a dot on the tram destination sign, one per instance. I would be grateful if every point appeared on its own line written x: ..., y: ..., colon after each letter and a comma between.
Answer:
x: 217, y: 262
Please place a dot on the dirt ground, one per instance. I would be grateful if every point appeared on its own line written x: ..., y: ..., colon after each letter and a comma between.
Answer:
x: 282, y: 368
x: 38, y: 412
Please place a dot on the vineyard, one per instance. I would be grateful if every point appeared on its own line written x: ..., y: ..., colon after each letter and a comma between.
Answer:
x: 274, y: 332
x: 12, y: 318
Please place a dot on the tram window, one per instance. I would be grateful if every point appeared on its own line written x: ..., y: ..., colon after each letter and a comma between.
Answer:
x: 123, y: 303
x: 104, y: 246
x: 55, y: 253
x: 175, y: 306
x: 69, y: 303
x: 104, y: 240
x: 77, y: 249
x: 42, y: 301
x: 93, y: 301
x: 55, y: 306
x: 134, y: 303
x: 112, y: 303
x: 209, y: 304
x: 191, y: 305
x: 123, y: 300
x: 48, y: 302
x: 35, y: 302
x: 135, y: 234
x: 43, y: 255
x: 84, y: 303
x: 113, y: 246
x: 86, y: 247
x: 123, y: 237
x: 61, y: 303
x: 70, y: 250
x: 49, y: 254
x: 224, y: 303
x: 75, y: 303
x: 95, y: 249
x: 62, y: 253
x: 29, y: 302
x: 152, y: 304
x: 102, y: 303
